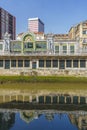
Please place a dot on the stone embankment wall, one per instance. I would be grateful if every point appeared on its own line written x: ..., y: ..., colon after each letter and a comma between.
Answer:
x: 45, y: 72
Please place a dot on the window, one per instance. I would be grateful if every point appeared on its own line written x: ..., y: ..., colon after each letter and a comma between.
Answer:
x: 61, y: 64
x: 7, y: 64
x: 85, y: 32
x: 1, y: 63
x: 72, y: 49
x: 48, y: 63
x: 28, y: 45
x: 13, y: 63
x: 65, y: 49
x: 68, y: 63
x: 26, y: 63
x: 20, y: 63
x: 41, y: 45
x: 82, y: 63
x: 56, y: 49
x: 75, y: 63
x: 1, y: 47
x: 41, y: 63
x: 55, y: 63
x: 16, y: 47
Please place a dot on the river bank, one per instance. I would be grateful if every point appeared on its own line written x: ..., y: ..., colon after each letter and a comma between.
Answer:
x: 47, y: 79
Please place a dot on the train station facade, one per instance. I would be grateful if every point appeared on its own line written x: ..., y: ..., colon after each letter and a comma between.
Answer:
x: 44, y: 54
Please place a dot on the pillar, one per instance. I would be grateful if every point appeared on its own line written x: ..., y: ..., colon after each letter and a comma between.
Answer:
x: 51, y: 63
x: 3, y: 98
x: 78, y: 99
x: 23, y: 98
x: 58, y: 99
x: 86, y: 100
x: 44, y: 63
x: 71, y: 99
x: 65, y: 63
x: 65, y: 99
x: 86, y: 63
x: 51, y: 99
x: 37, y: 99
x: 44, y: 99
x: 30, y: 99
x: 72, y: 63
x: 79, y: 63
x: 16, y: 97
x: 16, y: 62
x: 10, y: 98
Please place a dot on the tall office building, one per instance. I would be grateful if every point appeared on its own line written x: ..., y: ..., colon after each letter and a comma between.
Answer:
x: 7, y: 24
x: 35, y: 25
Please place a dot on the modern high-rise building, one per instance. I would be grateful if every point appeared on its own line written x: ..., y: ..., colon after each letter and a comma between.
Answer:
x: 35, y: 25
x: 7, y: 24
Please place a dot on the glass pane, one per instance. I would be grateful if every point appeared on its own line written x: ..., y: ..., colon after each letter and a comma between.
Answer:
x: 1, y: 47
x: 48, y: 63
x: 7, y: 64
x: 41, y: 63
x: 82, y: 63
x: 72, y: 49
x: 68, y: 63
x: 56, y: 49
x: 41, y: 45
x: 26, y: 63
x: 75, y: 63
x: 55, y: 63
x: 20, y: 63
x: 13, y: 63
x: 64, y: 49
x: 61, y: 64
x: 1, y: 63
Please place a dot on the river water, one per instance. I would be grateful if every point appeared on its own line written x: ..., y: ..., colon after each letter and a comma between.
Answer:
x: 42, y: 120
x: 22, y: 110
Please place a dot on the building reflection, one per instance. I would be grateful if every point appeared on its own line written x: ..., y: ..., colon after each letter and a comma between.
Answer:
x: 8, y: 117
x: 79, y: 119
x: 7, y: 120
x: 49, y: 98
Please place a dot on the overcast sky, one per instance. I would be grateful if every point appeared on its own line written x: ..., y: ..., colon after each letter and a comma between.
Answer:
x: 57, y: 15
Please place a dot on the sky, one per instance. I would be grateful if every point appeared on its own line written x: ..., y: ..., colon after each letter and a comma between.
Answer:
x: 57, y: 15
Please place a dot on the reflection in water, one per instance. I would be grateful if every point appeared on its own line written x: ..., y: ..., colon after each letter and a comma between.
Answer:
x: 42, y: 120
x: 49, y: 98
x: 7, y: 120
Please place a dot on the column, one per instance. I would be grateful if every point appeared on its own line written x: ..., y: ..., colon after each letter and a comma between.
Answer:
x: 23, y: 97
x: 51, y: 99
x: 78, y: 63
x: 3, y: 98
x: 72, y: 63
x: 78, y: 99
x: 86, y: 63
x: 44, y: 63
x: 44, y: 99
x: 51, y: 63
x: 10, y: 98
x: 37, y: 99
x: 16, y: 97
x: 17, y: 63
x: 65, y: 63
x: 65, y: 99
x: 86, y: 100
x: 58, y: 63
x: 30, y: 99
x: 71, y: 99
x: 23, y: 63
x: 58, y: 99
